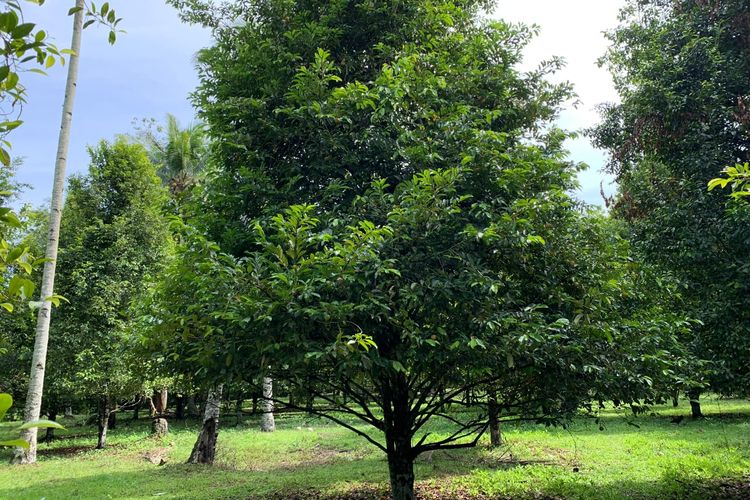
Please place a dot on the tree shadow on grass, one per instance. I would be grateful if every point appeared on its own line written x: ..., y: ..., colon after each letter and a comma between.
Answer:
x: 200, y: 482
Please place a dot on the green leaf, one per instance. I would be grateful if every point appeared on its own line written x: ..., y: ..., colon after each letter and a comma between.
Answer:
x: 41, y: 424
x: 20, y: 443
x: 398, y: 366
x: 6, y: 401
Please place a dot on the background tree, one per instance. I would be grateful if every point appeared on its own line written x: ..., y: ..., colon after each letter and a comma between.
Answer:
x: 114, y: 238
x: 180, y: 154
x: 682, y: 70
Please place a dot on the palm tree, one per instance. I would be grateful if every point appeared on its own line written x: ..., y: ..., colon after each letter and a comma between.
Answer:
x: 179, y: 153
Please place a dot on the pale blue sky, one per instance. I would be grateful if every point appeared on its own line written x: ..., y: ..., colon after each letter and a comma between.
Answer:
x: 150, y: 72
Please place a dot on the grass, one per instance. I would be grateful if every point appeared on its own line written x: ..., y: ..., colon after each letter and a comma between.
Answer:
x: 630, y: 457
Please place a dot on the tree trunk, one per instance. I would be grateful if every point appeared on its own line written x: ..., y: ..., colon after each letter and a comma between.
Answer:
x: 161, y: 400
x: 676, y: 398
x: 50, y: 435
x: 267, y: 423
x: 238, y: 409
x: 401, y: 471
x: 112, y: 421
x: 493, y: 411
x: 159, y: 427
x: 151, y: 408
x: 179, y: 412
x: 695, y: 405
x: 310, y: 403
x: 398, y: 434
x: 41, y: 339
x: 192, y: 408
x: 103, y: 422
x: 204, y: 450
x: 137, y: 408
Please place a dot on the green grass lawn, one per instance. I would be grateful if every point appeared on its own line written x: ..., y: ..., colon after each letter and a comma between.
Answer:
x: 632, y: 457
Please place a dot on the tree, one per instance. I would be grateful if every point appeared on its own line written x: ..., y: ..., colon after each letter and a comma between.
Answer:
x: 682, y: 70
x: 80, y: 12
x: 114, y: 239
x: 179, y: 153
x: 388, y: 198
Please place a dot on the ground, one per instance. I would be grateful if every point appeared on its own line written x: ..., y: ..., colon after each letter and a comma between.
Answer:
x: 618, y: 456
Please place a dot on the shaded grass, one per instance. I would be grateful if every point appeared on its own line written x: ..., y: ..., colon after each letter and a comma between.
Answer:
x: 631, y: 457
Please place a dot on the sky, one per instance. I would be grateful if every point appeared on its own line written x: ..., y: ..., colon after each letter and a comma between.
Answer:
x: 150, y: 72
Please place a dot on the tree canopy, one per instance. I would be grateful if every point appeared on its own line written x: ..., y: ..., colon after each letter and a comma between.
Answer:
x: 682, y: 71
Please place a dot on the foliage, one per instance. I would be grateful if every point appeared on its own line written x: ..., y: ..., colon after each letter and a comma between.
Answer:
x: 114, y: 237
x: 738, y: 177
x: 682, y: 70
x: 180, y: 154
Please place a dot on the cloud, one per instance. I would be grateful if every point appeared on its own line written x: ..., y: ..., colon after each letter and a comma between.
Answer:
x: 574, y: 30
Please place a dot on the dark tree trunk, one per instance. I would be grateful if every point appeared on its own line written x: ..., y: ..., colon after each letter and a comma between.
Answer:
x: 137, y: 408
x: 494, y: 418
x: 310, y: 403
x: 401, y: 471
x: 192, y: 408
x: 398, y: 434
x: 255, y: 404
x: 204, y: 451
x: 103, y: 421
x: 676, y: 398
x: 112, y: 420
x: 50, y: 435
x: 695, y: 405
x: 238, y: 408
x: 179, y: 411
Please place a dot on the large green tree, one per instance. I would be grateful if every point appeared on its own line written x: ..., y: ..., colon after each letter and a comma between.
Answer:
x: 114, y: 238
x: 430, y: 247
x: 682, y: 69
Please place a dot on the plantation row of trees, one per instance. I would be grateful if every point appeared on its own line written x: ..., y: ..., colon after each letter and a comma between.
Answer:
x: 377, y: 215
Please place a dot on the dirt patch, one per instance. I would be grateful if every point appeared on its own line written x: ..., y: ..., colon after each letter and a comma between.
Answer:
x: 157, y: 456
x: 361, y: 493
x: 68, y: 451
x: 424, y: 491
x: 731, y: 489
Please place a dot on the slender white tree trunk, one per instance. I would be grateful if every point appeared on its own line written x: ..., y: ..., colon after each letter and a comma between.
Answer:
x: 267, y: 423
x: 39, y: 359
